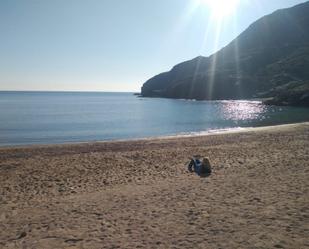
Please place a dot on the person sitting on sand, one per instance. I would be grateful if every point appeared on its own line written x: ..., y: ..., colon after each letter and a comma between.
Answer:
x: 202, y: 168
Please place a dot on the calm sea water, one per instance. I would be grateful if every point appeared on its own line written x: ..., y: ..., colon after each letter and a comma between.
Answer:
x: 61, y: 117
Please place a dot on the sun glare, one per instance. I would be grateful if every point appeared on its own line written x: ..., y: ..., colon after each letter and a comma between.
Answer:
x: 220, y: 8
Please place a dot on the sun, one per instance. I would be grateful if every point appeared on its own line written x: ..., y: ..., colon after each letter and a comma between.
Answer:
x: 220, y: 8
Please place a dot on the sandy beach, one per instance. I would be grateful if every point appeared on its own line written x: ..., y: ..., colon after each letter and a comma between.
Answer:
x: 138, y: 194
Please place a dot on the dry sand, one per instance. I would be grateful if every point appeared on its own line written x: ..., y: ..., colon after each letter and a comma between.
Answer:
x: 138, y: 194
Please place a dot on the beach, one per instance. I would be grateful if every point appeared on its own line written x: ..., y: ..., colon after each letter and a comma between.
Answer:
x: 139, y: 194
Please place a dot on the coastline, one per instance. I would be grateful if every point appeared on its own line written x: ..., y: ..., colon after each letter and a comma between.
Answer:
x: 138, y: 193
x: 180, y: 135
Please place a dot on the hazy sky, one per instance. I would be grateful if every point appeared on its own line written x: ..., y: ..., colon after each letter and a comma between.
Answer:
x: 111, y: 45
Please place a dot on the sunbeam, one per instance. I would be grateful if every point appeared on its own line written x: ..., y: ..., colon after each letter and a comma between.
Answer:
x: 213, y: 63
x: 220, y: 8
x: 218, y: 13
x: 238, y: 79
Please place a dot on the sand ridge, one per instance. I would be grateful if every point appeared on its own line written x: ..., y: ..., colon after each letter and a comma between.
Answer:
x: 138, y: 194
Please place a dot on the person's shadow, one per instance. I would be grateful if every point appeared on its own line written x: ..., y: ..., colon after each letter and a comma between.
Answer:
x: 204, y: 175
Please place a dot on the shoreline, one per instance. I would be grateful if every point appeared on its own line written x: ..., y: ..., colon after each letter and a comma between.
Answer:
x: 180, y: 135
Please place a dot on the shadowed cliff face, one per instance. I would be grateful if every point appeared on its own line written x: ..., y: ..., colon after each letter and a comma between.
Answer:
x: 272, y: 52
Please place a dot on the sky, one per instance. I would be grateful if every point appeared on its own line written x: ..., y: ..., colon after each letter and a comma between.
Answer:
x: 113, y: 45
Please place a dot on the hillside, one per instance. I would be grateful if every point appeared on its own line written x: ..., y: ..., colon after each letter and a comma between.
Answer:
x: 269, y: 59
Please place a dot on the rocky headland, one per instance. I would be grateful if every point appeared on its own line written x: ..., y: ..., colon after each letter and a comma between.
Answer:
x: 270, y: 59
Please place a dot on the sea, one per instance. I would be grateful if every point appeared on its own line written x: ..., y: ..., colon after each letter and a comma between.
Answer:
x: 28, y: 118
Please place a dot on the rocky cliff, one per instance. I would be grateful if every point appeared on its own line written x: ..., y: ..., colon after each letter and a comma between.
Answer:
x: 269, y: 59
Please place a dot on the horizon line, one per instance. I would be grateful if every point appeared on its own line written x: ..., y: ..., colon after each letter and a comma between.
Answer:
x: 69, y: 91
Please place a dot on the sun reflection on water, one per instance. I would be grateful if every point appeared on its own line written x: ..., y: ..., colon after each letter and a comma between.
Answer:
x: 243, y: 110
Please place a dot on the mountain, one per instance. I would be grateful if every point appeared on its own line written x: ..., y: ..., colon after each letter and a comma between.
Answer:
x: 269, y: 59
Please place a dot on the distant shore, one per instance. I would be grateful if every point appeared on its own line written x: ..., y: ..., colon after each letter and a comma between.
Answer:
x: 129, y: 194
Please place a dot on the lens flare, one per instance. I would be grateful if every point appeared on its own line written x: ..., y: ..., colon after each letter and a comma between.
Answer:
x: 220, y: 8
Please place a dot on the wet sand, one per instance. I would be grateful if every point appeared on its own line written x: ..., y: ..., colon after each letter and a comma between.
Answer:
x: 138, y: 194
